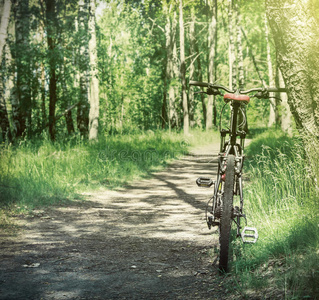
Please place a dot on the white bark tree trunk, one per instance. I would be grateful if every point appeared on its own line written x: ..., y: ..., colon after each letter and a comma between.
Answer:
x: 94, y: 82
x: 212, y: 31
x: 232, y: 55
x: 272, y: 101
x: 295, y: 28
x: 286, y: 124
x: 171, y: 72
x: 183, y: 70
x: 5, y: 16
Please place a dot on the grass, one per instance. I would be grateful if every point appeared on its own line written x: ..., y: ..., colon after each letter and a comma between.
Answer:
x: 280, y: 198
x: 39, y: 172
x: 281, y: 201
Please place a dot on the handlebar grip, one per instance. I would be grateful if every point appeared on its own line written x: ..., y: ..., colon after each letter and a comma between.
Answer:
x: 198, y: 83
x: 275, y: 90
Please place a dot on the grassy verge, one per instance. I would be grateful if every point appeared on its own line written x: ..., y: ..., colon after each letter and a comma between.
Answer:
x: 281, y: 201
x: 40, y: 172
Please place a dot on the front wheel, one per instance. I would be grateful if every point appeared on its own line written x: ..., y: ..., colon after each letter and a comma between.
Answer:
x: 226, y: 213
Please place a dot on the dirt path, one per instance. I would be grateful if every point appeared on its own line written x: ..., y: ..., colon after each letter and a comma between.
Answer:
x: 148, y: 240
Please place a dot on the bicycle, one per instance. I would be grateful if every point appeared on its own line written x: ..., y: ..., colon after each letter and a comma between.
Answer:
x: 229, y: 180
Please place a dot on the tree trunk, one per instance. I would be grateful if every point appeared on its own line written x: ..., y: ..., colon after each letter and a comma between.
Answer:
x: 286, y: 124
x: 241, y: 77
x: 183, y: 69
x: 22, y: 59
x: 200, y: 78
x: 272, y: 101
x: 5, y: 16
x: 94, y: 82
x: 4, y: 117
x: 232, y: 55
x: 294, y: 28
x: 212, y: 31
x: 83, y: 60
x: 42, y: 80
x: 8, y: 94
x: 193, y: 54
x: 51, y: 27
x: 66, y: 100
x: 171, y: 72
x: 4, y: 120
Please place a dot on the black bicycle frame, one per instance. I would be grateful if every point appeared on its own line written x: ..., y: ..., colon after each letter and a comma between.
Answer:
x: 231, y: 147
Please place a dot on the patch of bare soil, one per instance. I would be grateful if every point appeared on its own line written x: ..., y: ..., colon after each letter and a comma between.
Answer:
x: 148, y: 240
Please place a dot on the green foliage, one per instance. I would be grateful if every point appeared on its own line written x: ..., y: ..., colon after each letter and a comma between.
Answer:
x: 130, y: 71
x: 280, y: 199
x: 40, y: 172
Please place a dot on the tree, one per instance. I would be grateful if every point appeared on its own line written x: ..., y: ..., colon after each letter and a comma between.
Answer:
x: 171, y: 64
x: 51, y: 26
x: 22, y: 61
x: 295, y: 27
x: 183, y: 69
x: 193, y: 56
x: 272, y: 107
x: 232, y: 54
x: 83, y: 64
x: 94, y: 82
x: 286, y: 124
x: 212, y: 49
x: 5, y: 16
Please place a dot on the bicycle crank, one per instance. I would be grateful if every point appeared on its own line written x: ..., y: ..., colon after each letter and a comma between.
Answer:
x: 249, y: 235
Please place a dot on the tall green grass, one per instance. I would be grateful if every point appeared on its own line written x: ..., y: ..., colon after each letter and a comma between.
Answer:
x: 40, y: 172
x: 282, y: 203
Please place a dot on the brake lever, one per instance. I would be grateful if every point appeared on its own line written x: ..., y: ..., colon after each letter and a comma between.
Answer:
x: 277, y: 98
x: 213, y: 91
x: 262, y: 95
x: 201, y: 92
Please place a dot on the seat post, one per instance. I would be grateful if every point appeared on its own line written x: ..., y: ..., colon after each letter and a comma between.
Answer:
x: 233, y: 123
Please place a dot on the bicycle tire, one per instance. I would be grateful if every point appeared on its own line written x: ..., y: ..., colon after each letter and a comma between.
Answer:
x: 226, y: 214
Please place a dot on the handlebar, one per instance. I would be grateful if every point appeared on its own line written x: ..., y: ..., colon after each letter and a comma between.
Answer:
x: 210, y: 85
x: 262, y: 90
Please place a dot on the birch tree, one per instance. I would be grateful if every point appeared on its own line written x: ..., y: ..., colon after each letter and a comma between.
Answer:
x: 212, y: 35
x: 272, y: 106
x: 83, y: 61
x: 94, y: 82
x: 232, y: 54
x: 171, y: 72
x: 5, y: 9
x: 193, y: 54
x: 286, y: 122
x: 183, y: 69
x: 295, y: 28
x: 240, y: 57
x: 22, y: 62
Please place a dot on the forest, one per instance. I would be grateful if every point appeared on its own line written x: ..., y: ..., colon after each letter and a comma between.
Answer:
x: 69, y: 70
x: 81, y: 79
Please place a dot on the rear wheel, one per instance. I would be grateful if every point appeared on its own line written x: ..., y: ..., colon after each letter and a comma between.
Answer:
x: 226, y: 213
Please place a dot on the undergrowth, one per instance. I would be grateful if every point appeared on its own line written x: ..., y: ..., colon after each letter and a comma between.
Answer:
x: 282, y: 203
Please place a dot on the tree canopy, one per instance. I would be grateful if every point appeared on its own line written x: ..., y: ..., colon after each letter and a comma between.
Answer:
x: 47, y: 64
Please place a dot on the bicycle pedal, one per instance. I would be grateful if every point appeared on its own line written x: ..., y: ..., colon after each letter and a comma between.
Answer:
x: 249, y: 235
x: 204, y: 182
x: 211, y: 223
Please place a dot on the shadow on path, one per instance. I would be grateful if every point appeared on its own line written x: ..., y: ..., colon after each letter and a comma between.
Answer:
x: 148, y: 240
